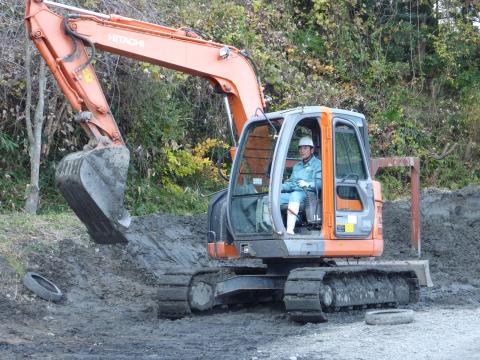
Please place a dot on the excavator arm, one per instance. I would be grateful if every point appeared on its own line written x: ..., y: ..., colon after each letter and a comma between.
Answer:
x: 93, y: 180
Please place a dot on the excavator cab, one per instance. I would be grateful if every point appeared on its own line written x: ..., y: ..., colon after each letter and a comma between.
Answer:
x: 251, y: 188
x: 336, y: 220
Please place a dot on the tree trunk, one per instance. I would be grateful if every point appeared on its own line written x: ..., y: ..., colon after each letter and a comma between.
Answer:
x: 51, y: 127
x: 34, y: 131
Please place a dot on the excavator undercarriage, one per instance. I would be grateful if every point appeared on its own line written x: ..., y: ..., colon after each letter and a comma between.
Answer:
x: 307, y: 292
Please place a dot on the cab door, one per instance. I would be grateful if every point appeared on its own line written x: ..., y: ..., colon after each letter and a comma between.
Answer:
x: 354, y: 201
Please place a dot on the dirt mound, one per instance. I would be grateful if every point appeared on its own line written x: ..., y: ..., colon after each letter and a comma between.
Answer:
x: 450, y: 232
x: 161, y: 241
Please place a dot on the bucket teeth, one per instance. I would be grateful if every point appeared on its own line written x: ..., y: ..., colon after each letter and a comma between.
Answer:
x: 93, y: 183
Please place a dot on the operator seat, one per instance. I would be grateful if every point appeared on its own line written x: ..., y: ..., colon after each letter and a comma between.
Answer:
x: 310, y: 212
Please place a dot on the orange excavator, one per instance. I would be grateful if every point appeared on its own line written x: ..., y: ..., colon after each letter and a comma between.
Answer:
x: 342, y: 219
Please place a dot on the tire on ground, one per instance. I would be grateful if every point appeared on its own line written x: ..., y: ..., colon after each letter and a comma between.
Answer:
x: 42, y: 287
x: 389, y: 317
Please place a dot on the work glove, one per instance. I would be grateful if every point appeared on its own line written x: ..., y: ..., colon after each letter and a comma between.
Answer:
x: 303, y: 184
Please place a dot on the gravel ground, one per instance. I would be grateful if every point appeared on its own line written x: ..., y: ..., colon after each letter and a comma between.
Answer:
x: 109, y: 310
x: 435, y: 334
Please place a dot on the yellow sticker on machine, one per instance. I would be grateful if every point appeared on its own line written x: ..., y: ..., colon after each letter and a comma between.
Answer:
x: 87, y: 75
x: 349, y: 228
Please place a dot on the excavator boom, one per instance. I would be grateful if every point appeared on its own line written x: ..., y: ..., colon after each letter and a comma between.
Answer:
x: 93, y: 180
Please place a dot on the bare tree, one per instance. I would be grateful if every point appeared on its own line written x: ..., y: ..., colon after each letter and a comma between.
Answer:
x: 34, y: 129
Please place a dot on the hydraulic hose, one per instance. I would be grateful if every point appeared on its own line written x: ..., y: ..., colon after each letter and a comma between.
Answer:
x: 74, y: 37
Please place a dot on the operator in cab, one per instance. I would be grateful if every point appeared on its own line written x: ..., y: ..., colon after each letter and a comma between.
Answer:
x: 306, y: 176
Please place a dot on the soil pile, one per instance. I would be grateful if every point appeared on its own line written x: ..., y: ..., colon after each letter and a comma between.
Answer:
x: 450, y: 233
x: 162, y: 241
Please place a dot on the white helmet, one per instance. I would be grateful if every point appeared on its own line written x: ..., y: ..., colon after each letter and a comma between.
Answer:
x: 305, y: 141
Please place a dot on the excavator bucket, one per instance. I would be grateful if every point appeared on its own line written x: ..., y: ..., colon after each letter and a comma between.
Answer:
x: 93, y: 183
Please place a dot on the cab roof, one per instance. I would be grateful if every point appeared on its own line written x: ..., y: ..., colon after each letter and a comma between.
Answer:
x: 356, y: 117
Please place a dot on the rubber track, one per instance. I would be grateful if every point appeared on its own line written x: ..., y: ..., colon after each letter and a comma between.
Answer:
x: 346, y: 287
x: 173, y: 291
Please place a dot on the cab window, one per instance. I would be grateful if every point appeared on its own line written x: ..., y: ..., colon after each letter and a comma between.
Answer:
x: 349, y: 160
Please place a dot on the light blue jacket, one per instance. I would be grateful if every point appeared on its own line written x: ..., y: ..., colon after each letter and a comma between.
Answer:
x: 311, y: 172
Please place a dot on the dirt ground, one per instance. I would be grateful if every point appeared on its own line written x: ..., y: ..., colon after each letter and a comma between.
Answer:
x: 109, y: 311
